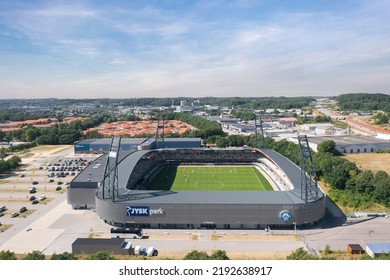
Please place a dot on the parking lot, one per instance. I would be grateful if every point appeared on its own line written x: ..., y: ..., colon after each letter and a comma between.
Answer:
x: 38, y: 186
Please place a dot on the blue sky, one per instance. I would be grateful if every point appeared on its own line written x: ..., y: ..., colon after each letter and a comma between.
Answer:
x: 123, y: 49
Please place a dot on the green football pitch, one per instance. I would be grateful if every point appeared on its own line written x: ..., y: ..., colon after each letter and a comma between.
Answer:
x: 209, y: 178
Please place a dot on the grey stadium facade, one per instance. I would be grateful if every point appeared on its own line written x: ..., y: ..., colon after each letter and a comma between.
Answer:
x: 133, y: 206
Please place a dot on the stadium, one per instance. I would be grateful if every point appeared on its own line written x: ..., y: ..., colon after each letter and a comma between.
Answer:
x: 187, y: 188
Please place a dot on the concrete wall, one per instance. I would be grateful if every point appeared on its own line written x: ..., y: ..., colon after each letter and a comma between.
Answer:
x: 81, y: 197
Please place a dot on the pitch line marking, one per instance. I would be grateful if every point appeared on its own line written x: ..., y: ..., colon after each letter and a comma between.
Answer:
x: 257, y: 177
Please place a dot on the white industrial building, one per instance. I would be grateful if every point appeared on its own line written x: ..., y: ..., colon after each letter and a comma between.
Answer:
x: 318, y: 128
x: 377, y: 249
x: 352, y: 144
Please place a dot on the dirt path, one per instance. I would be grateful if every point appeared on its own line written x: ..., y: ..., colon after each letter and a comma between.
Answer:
x: 43, y: 152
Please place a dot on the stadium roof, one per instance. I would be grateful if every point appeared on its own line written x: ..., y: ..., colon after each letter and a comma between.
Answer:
x: 182, y: 139
x: 94, y: 174
x: 107, y: 141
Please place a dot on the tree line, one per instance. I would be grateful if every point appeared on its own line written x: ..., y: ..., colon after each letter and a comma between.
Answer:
x: 104, y: 255
x: 364, y: 102
x: 259, y: 103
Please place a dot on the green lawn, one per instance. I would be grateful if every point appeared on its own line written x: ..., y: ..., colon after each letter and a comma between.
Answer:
x: 211, y: 178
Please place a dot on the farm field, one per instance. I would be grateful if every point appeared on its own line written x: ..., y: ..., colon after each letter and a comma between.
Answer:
x: 371, y: 161
x: 209, y: 178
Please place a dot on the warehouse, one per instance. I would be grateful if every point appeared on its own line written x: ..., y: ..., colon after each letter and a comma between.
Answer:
x: 352, y: 144
x: 103, y: 145
x: 98, y: 146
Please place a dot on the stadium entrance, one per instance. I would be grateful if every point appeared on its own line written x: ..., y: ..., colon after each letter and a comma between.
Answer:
x: 208, y: 225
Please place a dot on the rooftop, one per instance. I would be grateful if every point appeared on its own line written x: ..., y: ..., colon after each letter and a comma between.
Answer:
x: 379, y: 247
x: 347, y: 139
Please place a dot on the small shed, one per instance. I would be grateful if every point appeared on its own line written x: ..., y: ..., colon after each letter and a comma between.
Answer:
x: 376, y: 249
x: 355, y: 249
x: 115, y: 246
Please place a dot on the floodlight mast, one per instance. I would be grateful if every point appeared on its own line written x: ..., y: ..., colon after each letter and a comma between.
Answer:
x: 159, y: 138
x: 259, y: 132
x: 110, y: 181
x: 309, y: 186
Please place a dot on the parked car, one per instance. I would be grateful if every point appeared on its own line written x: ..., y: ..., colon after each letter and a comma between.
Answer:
x: 23, y: 209
x: 51, y: 180
x: 1, y: 214
x: 32, y: 198
x: 35, y: 182
x: 59, y: 183
x: 14, y: 214
x: 42, y: 197
x: 58, y: 188
x: 34, y: 202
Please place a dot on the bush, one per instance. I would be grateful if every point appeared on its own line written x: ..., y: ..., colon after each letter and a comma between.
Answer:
x: 300, y: 254
x: 64, y: 256
x: 7, y: 255
x: 34, y: 255
x: 219, y: 255
x: 196, y: 255
x: 101, y: 256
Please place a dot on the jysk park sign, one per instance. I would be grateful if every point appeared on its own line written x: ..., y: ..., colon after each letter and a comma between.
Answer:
x: 132, y: 211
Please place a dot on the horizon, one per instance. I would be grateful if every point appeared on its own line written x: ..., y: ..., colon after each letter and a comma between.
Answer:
x: 197, y: 97
x: 193, y: 49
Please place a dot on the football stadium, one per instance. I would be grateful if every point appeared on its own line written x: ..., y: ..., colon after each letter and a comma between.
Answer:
x: 193, y: 187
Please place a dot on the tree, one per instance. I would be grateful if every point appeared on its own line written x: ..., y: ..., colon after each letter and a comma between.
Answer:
x: 364, y: 182
x: 222, y: 142
x: 64, y: 256
x: 93, y: 134
x: 4, y: 166
x: 382, y: 187
x: 2, y: 135
x: 7, y: 255
x: 32, y: 134
x: 196, y: 255
x: 34, y: 255
x: 14, y: 162
x: 2, y: 153
x: 381, y: 118
x: 300, y: 254
x: 103, y: 255
x: 219, y: 255
x: 328, y: 146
